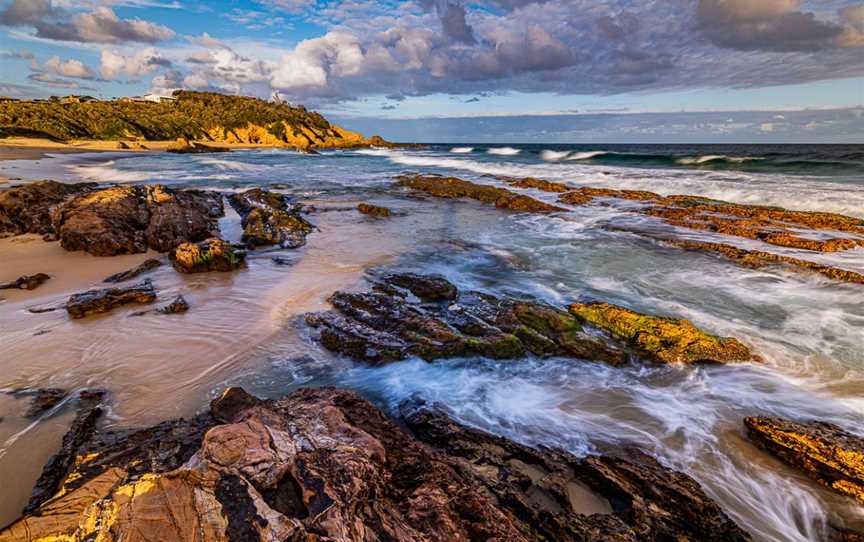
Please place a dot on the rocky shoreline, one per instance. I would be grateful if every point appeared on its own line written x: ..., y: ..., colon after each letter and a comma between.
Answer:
x: 326, y: 464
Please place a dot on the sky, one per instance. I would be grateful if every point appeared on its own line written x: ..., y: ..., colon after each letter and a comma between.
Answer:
x: 457, y: 70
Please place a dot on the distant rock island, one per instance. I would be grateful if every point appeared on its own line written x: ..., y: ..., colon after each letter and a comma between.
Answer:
x: 135, y: 123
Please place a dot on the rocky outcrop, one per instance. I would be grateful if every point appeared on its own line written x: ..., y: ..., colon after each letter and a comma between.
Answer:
x: 825, y: 452
x: 177, y: 306
x: 426, y: 316
x: 758, y: 259
x: 42, y: 400
x: 209, y: 255
x: 324, y: 464
x: 131, y: 219
x: 28, y: 208
x: 373, y: 210
x: 99, y: 301
x: 145, y: 267
x: 184, y: 146
x: 27, y: 282
x: 451, y: 187
x: 268, y: 219
x: 666, y: 340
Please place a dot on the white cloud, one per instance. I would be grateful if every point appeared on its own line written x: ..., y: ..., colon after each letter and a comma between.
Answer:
x: 115, y: 64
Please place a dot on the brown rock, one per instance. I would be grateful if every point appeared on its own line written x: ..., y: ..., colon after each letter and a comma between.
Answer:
x: 268, y: 219
x: 324, y: 464
x: 28, y: 208
x: 184, y: 146
x: 825, y: 452
x: 209, y: 255
x: 99, y: 301
x: 373, y: 210
x: 451, y: 187
x: 131, y: 219
x: 179, y: 305
x: 146, y: 266
x: 27, y: 282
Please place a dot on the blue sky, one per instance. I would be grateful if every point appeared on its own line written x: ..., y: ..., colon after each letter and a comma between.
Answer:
x: 411, y: 62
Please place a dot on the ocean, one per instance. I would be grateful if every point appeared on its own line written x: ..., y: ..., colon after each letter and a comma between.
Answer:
x: 246, y: 328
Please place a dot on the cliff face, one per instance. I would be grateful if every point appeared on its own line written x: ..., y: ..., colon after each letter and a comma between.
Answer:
x: 191, y: 115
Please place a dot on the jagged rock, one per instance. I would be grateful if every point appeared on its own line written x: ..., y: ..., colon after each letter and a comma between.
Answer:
x: 324, y: 464
x: 146, y: 266
x: 131, y: 219
x: 630, y: 494
x: 268, y: 219
x: 28, y: 208
x: 41, y: 399
x: 386, y: 325
x: 27, y: 282
x: 209, y: 255
x: 667, y: 340
x: 373, y: 210
x: 451, y: 187
x: 179, y: 305
x: 184, y: 146
x: 825, y: 452
x: 99, y: 301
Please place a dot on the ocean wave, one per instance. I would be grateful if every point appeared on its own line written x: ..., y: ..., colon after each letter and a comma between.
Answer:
x: 462, y: 150
x: 709, y: 158
x: 106, y: 172
x: 230, y: 165
x: 503, y: 151
x: 587, y: 155
x: 554, y: 156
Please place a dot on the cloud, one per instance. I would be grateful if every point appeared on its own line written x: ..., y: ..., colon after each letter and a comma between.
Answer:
x: 774, y: 25
x: 101, y: 25
x: 51, y: 80
x: 115, y: 64
x: 69, y: 68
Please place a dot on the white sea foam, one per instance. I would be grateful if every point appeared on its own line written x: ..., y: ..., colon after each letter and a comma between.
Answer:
x: 462, y: 150
x: 504, y: 151
x: 586, y: 155
x: 228, y: 165
x: 107, y: 173
x: 708, y: 158
x: 554, y: 156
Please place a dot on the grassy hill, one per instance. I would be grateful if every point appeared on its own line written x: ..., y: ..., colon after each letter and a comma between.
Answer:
x: 203, y: 116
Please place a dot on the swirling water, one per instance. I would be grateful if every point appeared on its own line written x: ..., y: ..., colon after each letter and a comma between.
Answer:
x: 245, y: 328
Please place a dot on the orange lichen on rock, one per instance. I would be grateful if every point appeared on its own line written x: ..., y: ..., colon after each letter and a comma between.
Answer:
x: 666, y: 339
x: 825, y: 452
x: 758, y: 258
x: 451, y: 187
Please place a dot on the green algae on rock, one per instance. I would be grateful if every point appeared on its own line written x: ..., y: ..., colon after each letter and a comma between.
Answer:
x: 825, y: 452
x: 210, y: 255
x: 667, y: 340
x: 268, y: 219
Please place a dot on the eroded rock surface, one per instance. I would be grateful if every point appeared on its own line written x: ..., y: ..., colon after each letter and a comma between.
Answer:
x: 268, y: 219
x: 324, y: 464
x: 27, y: 282
x: 131, y: 219
x: 451, y: 187
x: 145, y: 267
x: 426, y: 316
x: 668, y: 340
x: 28, y: 208
x: 373, y: 210
x: 209, y: 255
x: 825, y: 452
x: 177, y: 306
x: 106, y: 299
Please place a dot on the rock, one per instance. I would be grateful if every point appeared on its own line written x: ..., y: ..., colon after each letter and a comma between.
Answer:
x: 209, y: 255
x: 823, y: 451
x: 630, y: 494
x: 451, y: 187
x: 41, y: 400
x: 179, y: 305
x: 184, y: 146
x: 99, y: 301
x: 131, y: 219
x: 28, y: 208
x: 148, y: 265
x: 667, y: 340
x: 539, y: 184
x: 386, y: 325
x: 268, y: 219
x: 324, y: 464
x: 282, y: 261
x: 373, y: 210
x: 27, y: 282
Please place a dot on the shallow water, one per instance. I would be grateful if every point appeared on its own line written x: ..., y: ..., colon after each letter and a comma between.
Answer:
x: 244, y: 328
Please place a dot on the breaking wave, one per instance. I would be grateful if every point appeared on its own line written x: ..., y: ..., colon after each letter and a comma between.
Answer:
x: 504, y: 151
x: 462, y: 150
